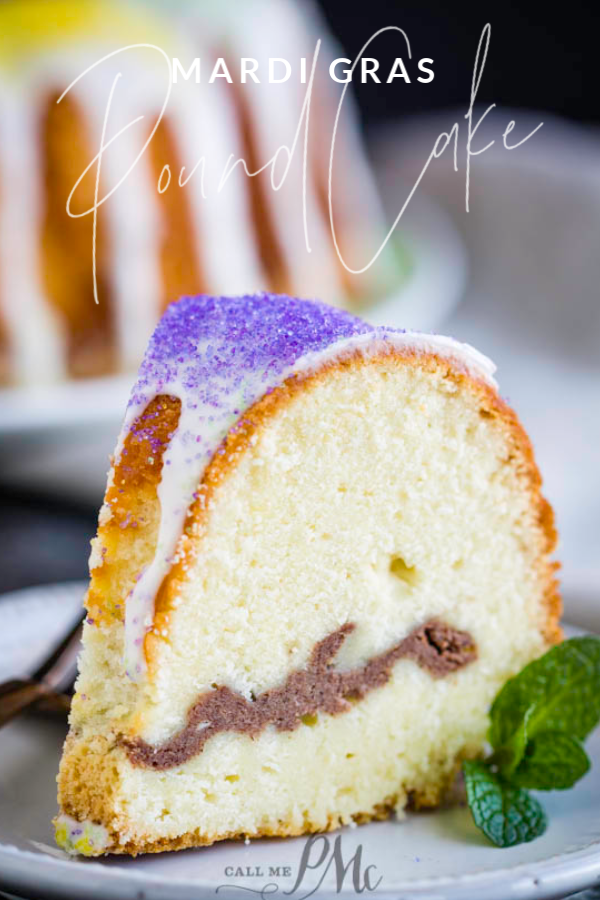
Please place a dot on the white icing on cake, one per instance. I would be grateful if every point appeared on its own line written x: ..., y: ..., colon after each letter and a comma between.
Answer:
x: 217, y: 378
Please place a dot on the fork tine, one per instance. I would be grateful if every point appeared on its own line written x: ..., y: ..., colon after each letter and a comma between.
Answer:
x: 20, y: 698
x: 48, y: 684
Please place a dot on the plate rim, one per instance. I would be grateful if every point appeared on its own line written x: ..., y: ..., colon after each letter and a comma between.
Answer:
x: 27, y: 410
x: 42, y: 874
x: 572, y: 871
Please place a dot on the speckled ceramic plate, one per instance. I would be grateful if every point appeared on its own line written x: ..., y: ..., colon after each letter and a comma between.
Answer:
x: 438, y: 856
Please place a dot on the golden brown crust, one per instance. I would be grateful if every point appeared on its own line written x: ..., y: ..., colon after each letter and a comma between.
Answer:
x: 268, y: 241
x: 88, y: 782
x: 257, y: 417
x: 67, y: 243
x: 180, y: 267
x: 132, y: 496
x: 130, y: 509
x: 89, y: 775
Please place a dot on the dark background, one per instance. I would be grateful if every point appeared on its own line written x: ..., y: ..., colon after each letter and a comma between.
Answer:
x: 541, y: 56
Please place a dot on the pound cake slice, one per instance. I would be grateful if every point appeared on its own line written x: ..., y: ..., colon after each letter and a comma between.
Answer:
x: 322, y: 550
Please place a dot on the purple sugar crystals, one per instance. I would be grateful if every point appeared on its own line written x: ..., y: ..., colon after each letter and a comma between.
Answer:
x: 215, y: 342
x: 218, y: 356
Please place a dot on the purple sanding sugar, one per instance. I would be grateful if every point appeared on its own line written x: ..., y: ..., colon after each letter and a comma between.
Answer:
x: 217, y: 342
x: 217, y: 355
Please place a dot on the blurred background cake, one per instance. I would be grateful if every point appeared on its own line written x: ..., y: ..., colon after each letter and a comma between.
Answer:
x: 158, y: 234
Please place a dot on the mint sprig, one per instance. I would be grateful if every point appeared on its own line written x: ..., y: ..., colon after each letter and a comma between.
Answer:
x: 506, y: 815
x: 553, y: 762
x: 558, y: 692
x: 537, y: 724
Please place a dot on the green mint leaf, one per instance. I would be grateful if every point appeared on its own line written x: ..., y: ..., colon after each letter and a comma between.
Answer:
x: 553, y: 761
x: 508, y: 757
x: 558, y: 692
x: 506, y: 815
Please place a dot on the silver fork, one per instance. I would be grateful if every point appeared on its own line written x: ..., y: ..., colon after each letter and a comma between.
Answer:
x: 49, y: 686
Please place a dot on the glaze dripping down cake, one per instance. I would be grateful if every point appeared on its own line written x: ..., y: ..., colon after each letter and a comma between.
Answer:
x: 322, y: 550
x: 193, y: 234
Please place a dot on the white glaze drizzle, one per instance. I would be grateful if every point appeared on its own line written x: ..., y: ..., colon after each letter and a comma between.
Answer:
x: 36, y: 337
x: 183, y: 467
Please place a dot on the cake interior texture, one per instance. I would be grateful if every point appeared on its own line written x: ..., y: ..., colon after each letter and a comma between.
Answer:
x: 381, y: 493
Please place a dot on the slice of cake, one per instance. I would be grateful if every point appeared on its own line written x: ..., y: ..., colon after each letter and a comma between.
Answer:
x: 322, y: 550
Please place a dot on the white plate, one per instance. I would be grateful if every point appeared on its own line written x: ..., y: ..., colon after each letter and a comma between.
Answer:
x: 438, y: 856
x: 58, y: 437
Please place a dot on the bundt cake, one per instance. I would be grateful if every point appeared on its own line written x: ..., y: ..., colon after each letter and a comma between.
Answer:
x: 195, y: 234
x: 322, y: 550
